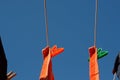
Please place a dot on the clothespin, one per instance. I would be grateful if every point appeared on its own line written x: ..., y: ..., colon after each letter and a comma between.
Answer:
x: 10, y: 75
x: 48, y: 54
x: 100, y: 53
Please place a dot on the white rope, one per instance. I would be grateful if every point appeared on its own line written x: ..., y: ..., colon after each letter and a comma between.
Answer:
x: 95, y: 25
x: 46, y: 22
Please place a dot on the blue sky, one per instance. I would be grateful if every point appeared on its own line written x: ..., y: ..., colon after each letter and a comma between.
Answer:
x: 22, y: 28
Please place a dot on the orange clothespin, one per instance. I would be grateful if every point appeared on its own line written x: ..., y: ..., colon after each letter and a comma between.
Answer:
x: 10, y: 75
x: 93, y: 64
x: 48, y: 54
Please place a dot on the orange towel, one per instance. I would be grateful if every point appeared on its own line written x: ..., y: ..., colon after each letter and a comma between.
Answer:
x: 93, y: 64
x: 48, y: 53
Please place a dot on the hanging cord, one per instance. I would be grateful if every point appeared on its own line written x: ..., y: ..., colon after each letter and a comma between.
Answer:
x: 95, y: 25
x: 46, y: 22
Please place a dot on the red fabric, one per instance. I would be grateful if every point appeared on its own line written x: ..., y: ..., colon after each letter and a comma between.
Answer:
x: 48, y: 53
x: 93, y: 64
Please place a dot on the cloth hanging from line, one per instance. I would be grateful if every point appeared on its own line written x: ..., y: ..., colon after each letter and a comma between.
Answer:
x: 93, y: 64
x: 116, y: 67
x: 3, y: 63
x: 48, y: 54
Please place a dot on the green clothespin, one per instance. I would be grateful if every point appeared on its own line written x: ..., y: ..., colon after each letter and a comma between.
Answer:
x: 100, y: 53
